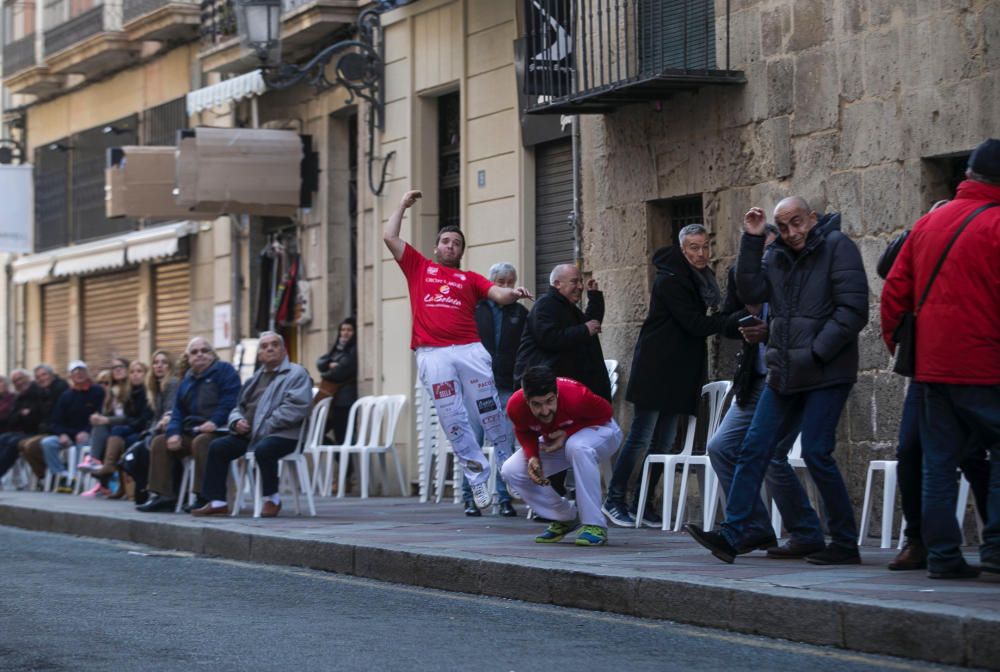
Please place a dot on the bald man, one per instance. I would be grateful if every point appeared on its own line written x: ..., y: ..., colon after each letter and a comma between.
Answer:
x: 564, y: 338
x: 814, y: 281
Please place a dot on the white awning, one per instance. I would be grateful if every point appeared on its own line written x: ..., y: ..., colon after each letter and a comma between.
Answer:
x: 32, y: 267
x: 226, y: 91
x: 90, y: 257
x: 161, y: 241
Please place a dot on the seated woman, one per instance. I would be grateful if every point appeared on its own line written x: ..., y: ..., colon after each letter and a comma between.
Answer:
x: 339, y: 371
x: 161, y: 386
x: 126, y: 413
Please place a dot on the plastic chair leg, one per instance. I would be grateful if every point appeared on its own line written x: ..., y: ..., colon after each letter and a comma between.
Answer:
x: 668, y: 494
x: 681, y: 497
x: 888, y: 505
x: 643, y: 487
x: 365, y: 460
x: 866, y: 507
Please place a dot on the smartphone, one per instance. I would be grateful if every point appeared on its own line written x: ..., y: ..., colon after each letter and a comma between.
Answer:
x: 750, y: 321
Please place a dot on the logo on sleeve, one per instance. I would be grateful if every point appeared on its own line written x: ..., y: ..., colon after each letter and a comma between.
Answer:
x: 433, y: 270
x: 487, y: 405
x: 443, y: 390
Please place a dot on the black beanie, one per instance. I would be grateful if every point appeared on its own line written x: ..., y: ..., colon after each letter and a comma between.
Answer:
x: 985, y: 159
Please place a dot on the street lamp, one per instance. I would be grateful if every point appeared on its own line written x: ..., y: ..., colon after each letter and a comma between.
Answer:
x: 359, y: 65
x: 259, y: 24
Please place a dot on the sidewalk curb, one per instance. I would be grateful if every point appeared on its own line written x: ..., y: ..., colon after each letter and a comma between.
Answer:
x: 935, y: 633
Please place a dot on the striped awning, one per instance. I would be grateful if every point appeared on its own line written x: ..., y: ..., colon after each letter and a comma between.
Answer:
x: 226, y: 91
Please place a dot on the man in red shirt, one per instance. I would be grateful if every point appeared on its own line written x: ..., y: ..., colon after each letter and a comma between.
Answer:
x: 957, y: 353
x: 560, y: 423
x: 451, y: 361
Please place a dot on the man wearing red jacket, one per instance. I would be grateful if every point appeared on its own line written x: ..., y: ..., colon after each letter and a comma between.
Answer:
x: 560, y: 423
x: 957, y: 353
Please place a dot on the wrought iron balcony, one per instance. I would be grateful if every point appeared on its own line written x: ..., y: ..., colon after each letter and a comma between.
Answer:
x: 18, y: 55
x: 75, y: 30
x: 591, y: 56
x: 161, y: 20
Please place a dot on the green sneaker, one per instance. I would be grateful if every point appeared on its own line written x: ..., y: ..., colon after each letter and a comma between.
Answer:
x: 592, y: 535
x: 556, y: 531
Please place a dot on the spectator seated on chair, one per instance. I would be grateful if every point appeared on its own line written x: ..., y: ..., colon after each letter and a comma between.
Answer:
x: 204, y: 399
x: 8, y: 417
x: 560, y: 423
x: 70, y: 421
x: 267, y: 420
x: 161, y: 388
x: 35, y: 414
x: 126, y: 413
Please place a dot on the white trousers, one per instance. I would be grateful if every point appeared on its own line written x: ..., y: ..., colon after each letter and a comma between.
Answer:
x: 584, y: 451
x: 459, y: 380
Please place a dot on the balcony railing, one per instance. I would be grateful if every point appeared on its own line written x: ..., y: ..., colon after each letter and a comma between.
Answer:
x: 581, y: 56
x: 18, y: 55
x: 218, y: 22
x: 133, y: 9
x: 75, y: 30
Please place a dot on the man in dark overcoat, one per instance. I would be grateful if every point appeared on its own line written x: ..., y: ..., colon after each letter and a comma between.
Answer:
x: 670, y: 362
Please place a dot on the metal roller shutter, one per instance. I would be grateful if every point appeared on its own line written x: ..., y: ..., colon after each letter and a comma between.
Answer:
x: 553, y: 209
x: 172, y: 308
x: 55, y: 325
x: 110, y: 318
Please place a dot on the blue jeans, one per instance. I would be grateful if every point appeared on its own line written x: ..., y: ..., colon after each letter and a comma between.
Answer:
x: 50, y: 449
x: 651, y: 432
x: 783, y: 486
x: 776, y: 416
x: 502, y: 494
x: 910, y: 454
x: 951, y: 415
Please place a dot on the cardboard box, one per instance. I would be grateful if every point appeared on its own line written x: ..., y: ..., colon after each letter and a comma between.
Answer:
x: 252, y: 171
x: 139, y: 182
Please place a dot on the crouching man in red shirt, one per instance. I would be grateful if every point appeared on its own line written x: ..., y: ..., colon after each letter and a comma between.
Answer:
x: 560, y: 423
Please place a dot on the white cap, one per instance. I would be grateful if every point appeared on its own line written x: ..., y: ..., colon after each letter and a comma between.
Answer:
x: 77, y: 364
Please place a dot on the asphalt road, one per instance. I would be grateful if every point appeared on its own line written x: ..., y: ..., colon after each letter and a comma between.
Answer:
x: 68, y: 603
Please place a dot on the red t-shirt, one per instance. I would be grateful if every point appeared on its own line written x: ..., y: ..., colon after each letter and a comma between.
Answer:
x: 443, y: 301
x: 578, y: 408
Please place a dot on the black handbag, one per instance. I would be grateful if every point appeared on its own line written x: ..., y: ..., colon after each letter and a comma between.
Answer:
x: 905, y: 335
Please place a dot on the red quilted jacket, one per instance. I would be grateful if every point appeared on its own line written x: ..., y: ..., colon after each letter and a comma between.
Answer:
x: 958, y: 328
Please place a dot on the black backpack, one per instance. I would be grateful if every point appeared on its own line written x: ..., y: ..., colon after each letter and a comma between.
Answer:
x: 889, y: 254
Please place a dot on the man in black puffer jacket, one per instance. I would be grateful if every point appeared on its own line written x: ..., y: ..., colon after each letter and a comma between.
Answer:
x: 815, y: 283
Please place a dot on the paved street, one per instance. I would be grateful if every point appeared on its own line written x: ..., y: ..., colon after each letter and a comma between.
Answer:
x: 81, y: 604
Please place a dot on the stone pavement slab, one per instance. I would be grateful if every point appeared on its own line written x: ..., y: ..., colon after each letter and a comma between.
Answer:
x: 646, y: 573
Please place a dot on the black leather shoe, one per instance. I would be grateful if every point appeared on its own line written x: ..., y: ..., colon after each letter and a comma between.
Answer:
x: 713, y: 541
x: 763, y: 542
x: 795, y: 550
x: 471, y: 510
x: 835, y: 554
x: 157, y: 503
x: 507, y: 510
x: 991, y: 565
x: 963, y: 571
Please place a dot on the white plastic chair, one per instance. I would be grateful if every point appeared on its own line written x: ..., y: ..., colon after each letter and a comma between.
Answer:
x: 612, y: 366
x: 72, y: 459
x: 888, y: 468
x: 380, y: 440
x: 716, y: 393
x: 795, y: 461
x: 186, y: 491
x: 358, y: 418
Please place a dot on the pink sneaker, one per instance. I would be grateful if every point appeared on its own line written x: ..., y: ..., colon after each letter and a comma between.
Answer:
x: 97, y: 490
x: 89, y: 464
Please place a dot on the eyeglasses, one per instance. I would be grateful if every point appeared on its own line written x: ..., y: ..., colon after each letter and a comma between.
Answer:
x: 119, y: 366
x: 200, y: 351
x: 270, y: 346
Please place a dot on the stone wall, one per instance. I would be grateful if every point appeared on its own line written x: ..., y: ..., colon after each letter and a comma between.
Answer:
x: 843, y: 103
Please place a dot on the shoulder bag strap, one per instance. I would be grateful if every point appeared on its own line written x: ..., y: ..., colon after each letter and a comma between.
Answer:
x: 947, y: 249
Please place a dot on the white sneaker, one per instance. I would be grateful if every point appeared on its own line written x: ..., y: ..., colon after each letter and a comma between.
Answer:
x: 481, y: 495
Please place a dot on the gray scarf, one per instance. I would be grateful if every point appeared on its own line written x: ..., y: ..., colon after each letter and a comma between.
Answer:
x: 708, y: 286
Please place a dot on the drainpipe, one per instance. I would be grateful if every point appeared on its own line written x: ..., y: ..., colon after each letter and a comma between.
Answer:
x: 577, y: 195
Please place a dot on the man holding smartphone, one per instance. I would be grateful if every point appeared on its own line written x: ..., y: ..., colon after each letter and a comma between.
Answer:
x: 749, y: 324
x: 815, y: 283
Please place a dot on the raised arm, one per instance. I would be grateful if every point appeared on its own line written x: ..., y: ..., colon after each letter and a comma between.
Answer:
x: 504, y: 296
x: 390, y: 235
